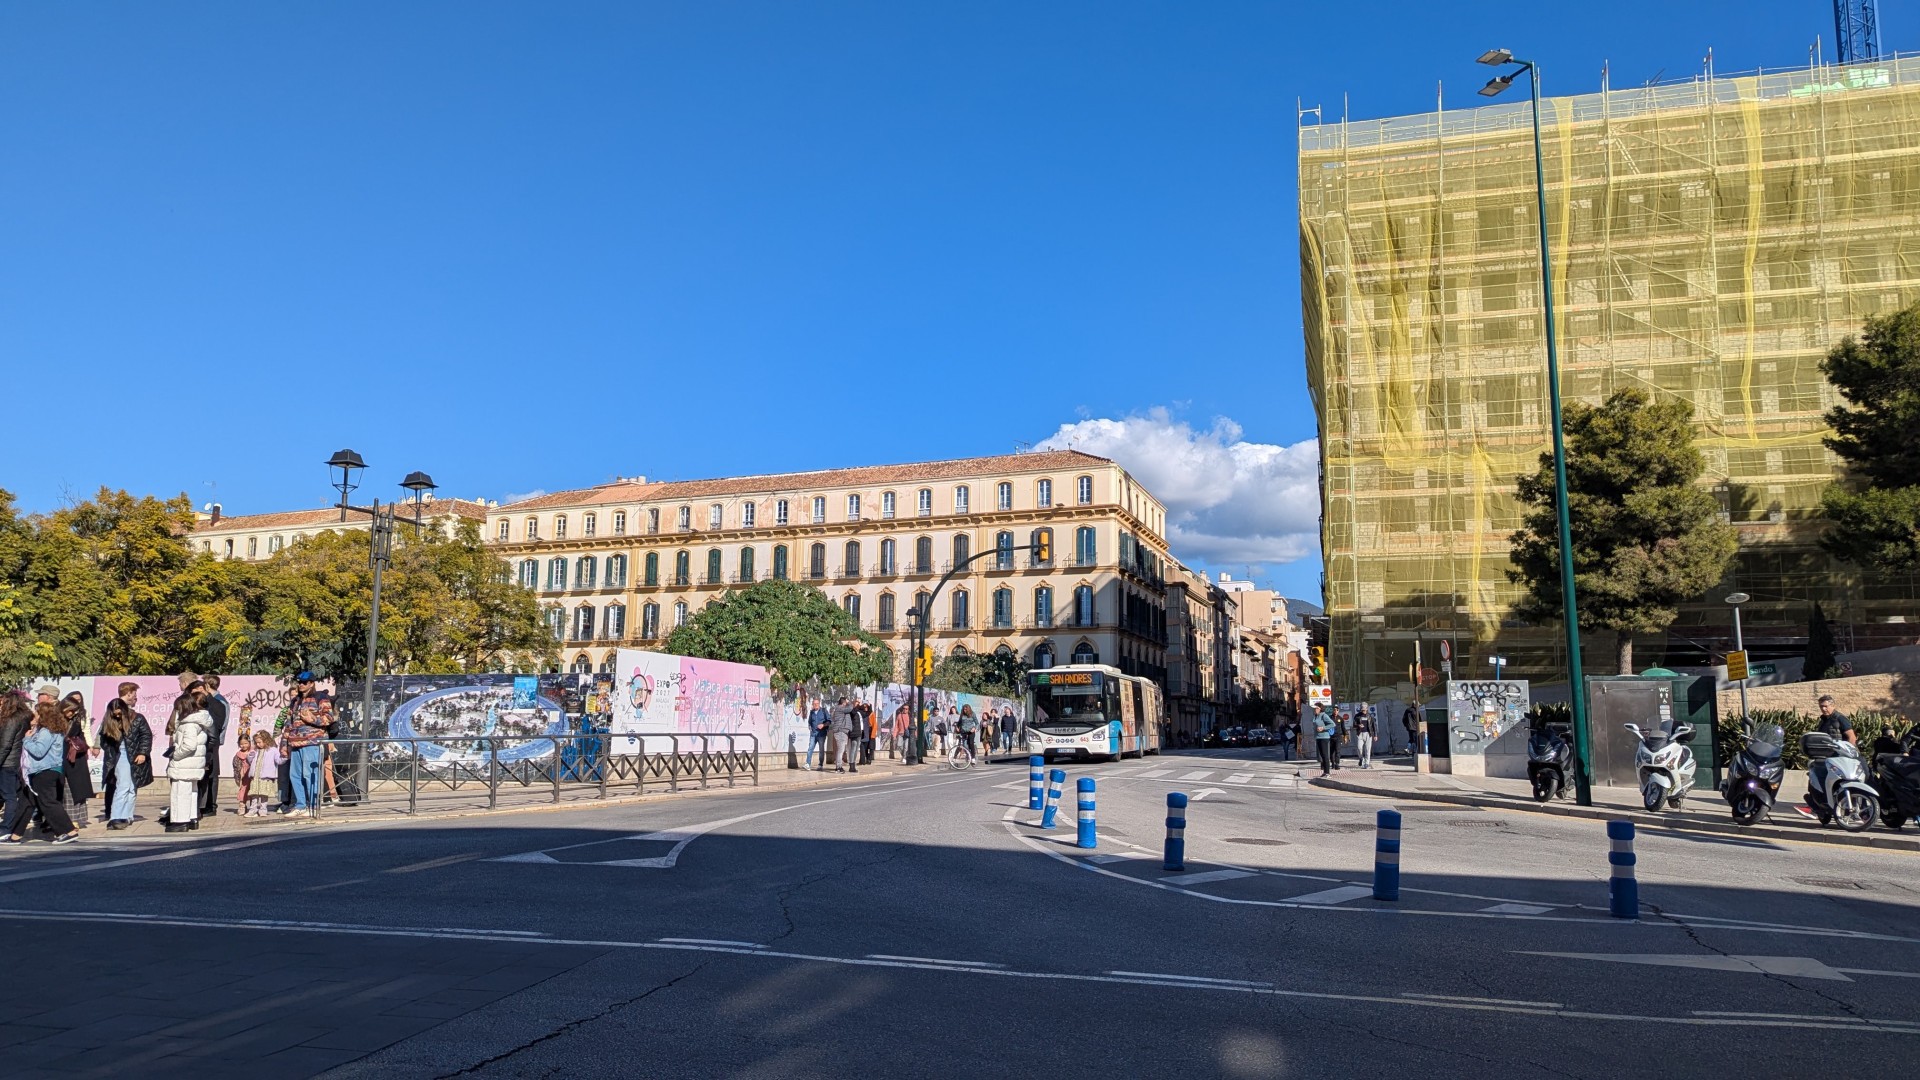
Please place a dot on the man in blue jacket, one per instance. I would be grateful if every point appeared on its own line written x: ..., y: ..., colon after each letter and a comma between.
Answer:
x: 1323, y: 733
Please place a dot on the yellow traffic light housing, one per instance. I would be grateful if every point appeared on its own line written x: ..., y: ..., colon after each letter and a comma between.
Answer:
x: 1043, y: 546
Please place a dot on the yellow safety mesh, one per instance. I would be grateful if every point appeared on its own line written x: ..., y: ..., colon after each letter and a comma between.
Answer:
x: 1710, y: 239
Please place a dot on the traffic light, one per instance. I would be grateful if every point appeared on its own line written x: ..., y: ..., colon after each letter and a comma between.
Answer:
x: 1043, y: 545
x: 923, y: 665
x: 1320, y: 663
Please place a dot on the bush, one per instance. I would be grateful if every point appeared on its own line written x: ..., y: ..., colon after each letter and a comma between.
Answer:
x: 1867, y: 726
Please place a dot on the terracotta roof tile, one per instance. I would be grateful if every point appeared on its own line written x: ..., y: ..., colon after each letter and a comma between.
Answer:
x: 328, y: 516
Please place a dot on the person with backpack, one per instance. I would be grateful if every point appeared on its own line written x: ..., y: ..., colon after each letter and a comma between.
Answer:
x: 1324, y: 729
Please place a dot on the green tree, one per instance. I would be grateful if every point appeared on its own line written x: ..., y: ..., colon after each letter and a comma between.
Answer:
x: 1874, y: 512
x: 790, y: 628
x: 996, y: 674
x: 1821, y: 662
x: 1645, y: 537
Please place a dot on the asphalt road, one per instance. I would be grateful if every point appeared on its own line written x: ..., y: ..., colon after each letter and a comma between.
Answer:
x: 926, y: 927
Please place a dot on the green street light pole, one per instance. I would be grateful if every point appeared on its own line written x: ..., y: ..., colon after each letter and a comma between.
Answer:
x: 1582, y: 744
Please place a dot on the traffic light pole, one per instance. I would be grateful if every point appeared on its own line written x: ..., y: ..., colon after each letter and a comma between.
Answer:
x: 1041, y: 551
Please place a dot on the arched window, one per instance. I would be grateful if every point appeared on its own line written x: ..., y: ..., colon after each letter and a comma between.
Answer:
x: 680, y: 613
x: 606, y: 666
x: 1003, y: 608
x: 716, y: 515
x: 746, y: 565
x: 683, y: 518
x: 962, y: 547
x: 886, y: 612
x: 962, y: 500
x: 923, y: 555
x: 275, y: 543
x: 584, y: 571
x: 1083, y: 613
x: 506, y: 530
x: 1083, y: 490
x: 560, y: 526
x: 925, y: 499
x: 853, y: 508
x: 1036, y: 540
x: 1003, y: 551
x: 959, y: 650
x: 615, y: 627
x: 583, y: 623
x: 851, y: 604
x: 653, y: 521
x: 652, y: 567
x: 582, y: 665
x: 253, y: 546
x: 533, y: 529
x: 888, y: 562
x: 529, y: 573
x: 819, y: 509
x: 616, y: 571
x: 1085, y: 550
x: 1043, y: 606
x: 1043, y: 655
x: 649, y: 621
x: 817, y: 561
x: 588, y: 524
x: 747, y: 514
x: 1043, y: 493
x: 1084, y: 653
x: 620, y: 523
x: 780, y: 514
x: 1003, y: 651
x: 961, y: 614
x: 713, y: 566
x: 780, y: 562
x: 1003, y: 495
x: 888, y: 504
x: 682, y: 568
x: 851, y: 565
x: 556, y: 573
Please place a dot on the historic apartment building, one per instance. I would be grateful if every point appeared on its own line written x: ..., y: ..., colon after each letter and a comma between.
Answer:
x: 624, y: 563
x: 252, y: 537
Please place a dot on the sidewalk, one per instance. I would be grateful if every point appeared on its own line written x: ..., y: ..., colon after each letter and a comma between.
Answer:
x: 1705, y: 810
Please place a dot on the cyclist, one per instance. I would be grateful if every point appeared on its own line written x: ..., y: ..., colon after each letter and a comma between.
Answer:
x: 969, y: 726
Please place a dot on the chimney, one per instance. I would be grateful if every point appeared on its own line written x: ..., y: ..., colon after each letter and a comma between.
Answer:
x: 215, y: 520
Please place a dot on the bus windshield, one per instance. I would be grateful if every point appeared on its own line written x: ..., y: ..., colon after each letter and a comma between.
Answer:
x: 1076, y: 699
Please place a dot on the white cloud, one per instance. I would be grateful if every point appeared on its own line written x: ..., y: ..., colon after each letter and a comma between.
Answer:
x: 1229, y: 502
x: 523, y: 496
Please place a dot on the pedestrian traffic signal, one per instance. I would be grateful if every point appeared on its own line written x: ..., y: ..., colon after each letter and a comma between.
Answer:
x: 1043, y: 545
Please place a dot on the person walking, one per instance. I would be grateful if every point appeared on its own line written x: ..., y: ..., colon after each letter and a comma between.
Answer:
x: 77, y: 767
x: 16, y: 719
x: 1363, y: 737
x: 190, y: 731
x: 870, y: 729
x: 1289, y: 738
x: 305, y: 732
x: 217, y: 737
x: 839, y: 733
x: 817, y: 723
x: 1323, y: 731
x: 126, y: 746
x: 1410, y: 720
x: 43, y: 751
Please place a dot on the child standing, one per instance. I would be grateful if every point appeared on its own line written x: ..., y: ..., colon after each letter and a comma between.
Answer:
x: 263, y: 774
x: 243, y: 770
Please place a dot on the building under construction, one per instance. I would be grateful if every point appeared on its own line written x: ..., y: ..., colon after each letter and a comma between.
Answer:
x: 1710, y: 239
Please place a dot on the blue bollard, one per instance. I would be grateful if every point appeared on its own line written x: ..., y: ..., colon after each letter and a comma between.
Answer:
x: 1386, y: 855
x: 1088, y: 837
x: 1176, y: 857
x: 1036, y: 776
x: 1623, y: 889
x: 1055, y: 780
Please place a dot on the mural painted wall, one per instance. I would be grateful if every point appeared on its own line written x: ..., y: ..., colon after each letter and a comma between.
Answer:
x: 253, y: 702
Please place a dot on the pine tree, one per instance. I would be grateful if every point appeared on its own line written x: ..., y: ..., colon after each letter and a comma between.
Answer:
x: 1875, y: 510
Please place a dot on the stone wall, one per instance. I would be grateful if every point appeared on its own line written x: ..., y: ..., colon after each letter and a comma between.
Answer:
x: 1896, y: 693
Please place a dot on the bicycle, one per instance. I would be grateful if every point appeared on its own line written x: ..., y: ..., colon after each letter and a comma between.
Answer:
x: 963, y: 756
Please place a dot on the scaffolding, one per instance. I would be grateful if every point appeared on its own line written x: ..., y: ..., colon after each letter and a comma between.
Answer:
x: 1711, y: 239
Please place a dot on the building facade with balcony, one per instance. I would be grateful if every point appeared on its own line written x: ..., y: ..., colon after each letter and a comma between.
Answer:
x: 626, y: 562
x: 253, y: 537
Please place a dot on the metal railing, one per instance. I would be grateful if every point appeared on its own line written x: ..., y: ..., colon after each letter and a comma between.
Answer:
x: 601, y: 763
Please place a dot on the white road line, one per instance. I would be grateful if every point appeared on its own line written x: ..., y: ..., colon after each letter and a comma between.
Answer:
x: 1871, y: 971
x: 434, y: 864
x: 1332, y: 896
x: 1240, y: 778
x: 1518, y: 909
x: 1117, y: 856
x: 712, y: 941
x: 1487, y: 1000
x: 178, y: 853
x: 935, y: 960
x: 336, y: 884
x: 1211, y: 875
x: 1187, y: 978
x: 1197, y: 774
x: 1152, y: 775
x: 1288, y: 781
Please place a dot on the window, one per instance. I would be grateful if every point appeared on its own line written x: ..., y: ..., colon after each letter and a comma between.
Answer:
x: 926, y: 501
x: 560, y: 527
x: 959, y: 609
x: 922, y: 604
x: 1084, y: 653
x: 653, y: 569
x: 851, y: 564
x: 530, y: 573
x: 853, y: 509
x: 1085, y: 552
x: 887, y: 506
x: 746, y: 565
x: 620, y: 525
x: 615, y: 622
x: 653, y: 525
x: 1003, y: 497
x: 275, y: 543
x: 582, y: 665
x: 713, y: 566
x: 1043, y: 493
x: 683, y: 518
x: 682, y: 568
x: 961, y: 499
x: 253, y: 549
x: 1043, y: 655
x: 1083, y: 491
x: 556, y: 573
x: 886, y: 612
x: 650, y: 621
x: 616, y: 571
x: 962, y: 548
x: 1083, y: 612
x: 533, y: 532
x: 588, y: 523
x: 229, y: 547
x: 817, y: 561
x: 1003, y: 608
x: 680, y: 613
x: 1043, y: 606
x: 780, y: 517
x: 1034, y: 541
x: 584, y: 569
x: 820, y: 510
x: 506, y: 530
x: 780, y: 563
x: 923, y: 556
x: 583, y: 623
x: 887, y: 550
x: 851, y: 603
x: 1003, y: 551
x: 557, y: 623
x: 747, y: 514
x: 716, y: 514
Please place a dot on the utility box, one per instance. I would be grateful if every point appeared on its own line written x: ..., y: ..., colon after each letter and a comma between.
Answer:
x: 1614, y: 701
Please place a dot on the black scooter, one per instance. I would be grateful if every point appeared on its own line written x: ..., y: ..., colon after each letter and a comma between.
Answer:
x: 1895, y: 775
x: 1550, y: 760
x: 1753, y: 776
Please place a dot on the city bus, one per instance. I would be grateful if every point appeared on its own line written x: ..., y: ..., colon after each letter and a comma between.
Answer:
x: 1087, y: 711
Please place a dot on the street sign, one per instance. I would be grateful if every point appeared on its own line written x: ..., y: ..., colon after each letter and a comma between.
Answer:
x: 1320, y: 694
x: 1446, y: 668
x: 1737, y: 665
x: 1446, y: 649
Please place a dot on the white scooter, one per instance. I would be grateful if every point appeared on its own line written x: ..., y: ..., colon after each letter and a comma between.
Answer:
x: 1665, y: 763
x: 1837, y: 788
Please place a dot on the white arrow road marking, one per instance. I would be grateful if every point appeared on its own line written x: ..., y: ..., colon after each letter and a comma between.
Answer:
x: 1799, y: 967
x: 1204, y: 792
x: 1333, y: 896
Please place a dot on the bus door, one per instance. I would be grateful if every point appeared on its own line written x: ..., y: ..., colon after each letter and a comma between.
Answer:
x: 1141, y: 718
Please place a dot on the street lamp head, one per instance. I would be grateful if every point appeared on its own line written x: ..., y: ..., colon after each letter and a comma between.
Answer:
x: 1736, y: 599
x: 418, y: 482
x: 1496, y: 57
x: 1496, y: 85
x: 344, y: 463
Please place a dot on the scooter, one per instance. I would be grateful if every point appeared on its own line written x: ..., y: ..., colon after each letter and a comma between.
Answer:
x: 1550, y: 760
x: 1665, y: 763
x: 1895, y: 777
x: 1753, y: 777
x: 1837, y: 789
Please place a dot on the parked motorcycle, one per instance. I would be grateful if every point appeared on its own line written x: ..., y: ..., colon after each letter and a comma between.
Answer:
x: 1895, y: 777
x: 1837, y: 789
x: 1753, y: 776
x: 1665, y: 763
x: 1550, y: 760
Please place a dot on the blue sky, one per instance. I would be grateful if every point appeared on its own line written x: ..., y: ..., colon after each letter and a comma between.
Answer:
x: 533, y: 246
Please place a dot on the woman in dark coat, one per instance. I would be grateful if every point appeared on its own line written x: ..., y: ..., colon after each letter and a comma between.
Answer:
x: 79, y: 778
x: 127, y: 743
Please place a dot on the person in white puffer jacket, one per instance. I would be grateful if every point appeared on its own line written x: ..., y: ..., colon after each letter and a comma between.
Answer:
x: 187, y: 759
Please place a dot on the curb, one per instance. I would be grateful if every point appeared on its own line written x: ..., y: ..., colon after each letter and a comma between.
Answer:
x: 1701, y: 825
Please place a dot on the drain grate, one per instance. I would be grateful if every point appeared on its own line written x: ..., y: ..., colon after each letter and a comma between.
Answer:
x: 1340, y: 827
x: 1824, y: 883
x: 1260, y: 840
x: 1476, y: 823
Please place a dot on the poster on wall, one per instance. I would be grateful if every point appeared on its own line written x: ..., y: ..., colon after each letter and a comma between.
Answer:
x: 656, y: 694
x: 1478, y: 714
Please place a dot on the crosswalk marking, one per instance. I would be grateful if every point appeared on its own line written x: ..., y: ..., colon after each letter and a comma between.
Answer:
x: 1331, y: 896
x: 1117, y: 856
x: 1213, y: 875
x: 1284, y: 781
x: 1155, y: 774
x: 1240, y: 778
x: 1197, y: 774
x: 1516, y: 909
